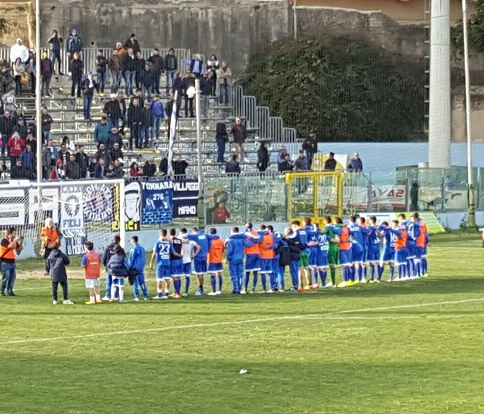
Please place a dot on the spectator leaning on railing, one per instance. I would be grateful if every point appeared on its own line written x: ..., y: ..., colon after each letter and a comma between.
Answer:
x: 301, y: 163
x: 355, y: 164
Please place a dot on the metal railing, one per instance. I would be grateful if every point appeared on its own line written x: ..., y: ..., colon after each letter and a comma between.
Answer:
x: 259, y: 117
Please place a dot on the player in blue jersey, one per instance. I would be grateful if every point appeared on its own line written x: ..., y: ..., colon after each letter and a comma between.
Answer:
x: 161, y: 251
x: 401, y: 249
x: 236, y: 244
x: 388, y: 252
x: 200, y: 260
x: 366, y: 232
x: 312, y: 232
x: 373, y: 252
x: 322, y: 262
x: 176, y: 263
x: 413, y: 233
x: 189, y: 250
x: 252, y: 258
x: 357, y: 250
x: 277, y: 270
x: 304, y: 254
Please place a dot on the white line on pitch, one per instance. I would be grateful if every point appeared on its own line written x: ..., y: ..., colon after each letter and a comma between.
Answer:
x: 229, y: 323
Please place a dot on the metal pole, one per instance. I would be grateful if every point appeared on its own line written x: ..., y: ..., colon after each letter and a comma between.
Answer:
x: 295, y: 18
x: 38, y: 97
x: 201, y: 215
x: 471, y: 194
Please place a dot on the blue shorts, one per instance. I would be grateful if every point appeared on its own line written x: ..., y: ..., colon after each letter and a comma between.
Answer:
x: 163, y: 272
x: 199, y: 267
x: 118, y: 281
x: 322, y: 261
x: 187, y: 269
x: 345, y: 258
x: 266, y: 266
x: 419, y: 252
x: 401, y: 257
x: 176, y: 268
x: 215, y: 268
x: 373, y: 253
x: 252, y: 262
x: 357, y: 254
x: 388, y: 255
x: 313, y: 257
x: 411, y: 253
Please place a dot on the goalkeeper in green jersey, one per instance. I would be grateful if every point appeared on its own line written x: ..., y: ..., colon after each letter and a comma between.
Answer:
x: 333, y: 251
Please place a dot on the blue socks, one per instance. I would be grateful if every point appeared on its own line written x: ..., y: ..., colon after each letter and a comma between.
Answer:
x: 177, y: 286
x: 213, y: 282
x: 264, y: 281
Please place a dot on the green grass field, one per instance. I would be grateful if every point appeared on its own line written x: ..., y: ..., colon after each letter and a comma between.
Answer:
x: 411, y: 347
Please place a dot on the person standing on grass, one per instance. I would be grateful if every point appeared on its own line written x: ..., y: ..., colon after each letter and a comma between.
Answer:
x: 235, y: 257
x: 200, y: 260
x: 50, y: 235
x: 56, y: 266
x: 215, y: 256
x: 137, y: 260
x: 107, y: 255
x: 91, y: 262
x: 118, y: 268
x: 10, y: 247
x: 189, y: 250
x: 176, y: 264
x: 388, y: 253
x: 162, y: 250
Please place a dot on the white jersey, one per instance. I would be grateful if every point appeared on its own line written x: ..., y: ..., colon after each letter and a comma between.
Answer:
x: 187, y: 249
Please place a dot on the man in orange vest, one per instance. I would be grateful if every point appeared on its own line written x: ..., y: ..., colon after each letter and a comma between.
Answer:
x: 91, y: 262
x: 10, y: 246
x: 50, y: 235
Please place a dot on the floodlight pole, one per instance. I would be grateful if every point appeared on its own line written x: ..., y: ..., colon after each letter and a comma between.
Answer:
x: 38, y: 93
x: 200, y: 209
x: 471, y: 194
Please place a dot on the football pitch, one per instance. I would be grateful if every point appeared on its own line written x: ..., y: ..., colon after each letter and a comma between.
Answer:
x: 408, y: 347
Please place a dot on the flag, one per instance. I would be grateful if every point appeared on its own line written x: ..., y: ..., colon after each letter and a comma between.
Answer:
x: 172, y: 133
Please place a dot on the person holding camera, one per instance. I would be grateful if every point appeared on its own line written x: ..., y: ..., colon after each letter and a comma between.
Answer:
x: 10, y: 246
x: 50, y: 235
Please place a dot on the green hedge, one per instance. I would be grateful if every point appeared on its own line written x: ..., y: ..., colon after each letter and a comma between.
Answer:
x: 345, y: 89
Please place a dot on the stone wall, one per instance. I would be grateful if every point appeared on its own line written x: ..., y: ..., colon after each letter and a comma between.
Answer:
x: 17, y: 17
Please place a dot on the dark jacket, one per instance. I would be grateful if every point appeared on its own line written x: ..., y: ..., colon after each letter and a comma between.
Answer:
x: 6, y: 127
x: 55, y: 43
x: 83, y: 161
x: 178, y: 87
x: 157, y: 63
x: 116, y: 172
x: 115, y: 64
x: 285, y: 166
x: 221, y: 132
x: 232, y: 167
x: 101, y: 63
x: 46, y: 68
x: 72, y: 170
x: 295, y: 246
x: 149, y: 169
x: 310, y: 145
x: 135, y: 115
x: 139, y: 65
x: 76, y: 68
x: 103, y: 154
x: 56, y: 266
x: 112, y: 139
x: 164, y: 166
x: 129, y: 64
x: 188, y: 82
x: 147, y: 78
x: 147, y: 118
x: 74, y: 44
x: 46, y: 122
x: 206, y: 86
x: 355, y: 165
x: 112, y: 109
x: 240, y: 133
x: 87, y: 89
x: 171, y: 62
x: 330, y: 164
x: 118, y: 265
x: 100, y: 171
x: 262, y: 158
x: 179, y: 167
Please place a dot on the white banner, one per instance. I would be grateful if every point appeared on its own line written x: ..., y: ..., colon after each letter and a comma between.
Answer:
x: 72, y: 217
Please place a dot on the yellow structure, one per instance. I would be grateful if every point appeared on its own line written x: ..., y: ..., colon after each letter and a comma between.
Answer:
x: 315, y: 195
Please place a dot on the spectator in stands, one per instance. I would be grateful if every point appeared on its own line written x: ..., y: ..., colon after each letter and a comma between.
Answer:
x: 301, y: 163
x: 52, y: 152
x: 129, y: 68
x: 55, y: 50
x: 16, y: 146
x: 240, y: 135
x: 6, y: 130
x: 113, y: 110
x: 134, y: 170
x: 330, y: 163
x: 158, y: 67
x: 68, y: 144
x: 158, y: 113
x: 132, y: 43
x: 28, y: 162
x: 89, y: 85
x: 19, y: 51
x: 9, y: 100
x: 83, y: 160
x: 100, y: 169
x: 101, y: 69
x: 91, y: 168
x: 116, y: 152
x: 355, y: 164
x: 414, y: 187
x: 171, y: 67
x: 31, y: 70
x: 232, y: 166
x: 147, y: 80
x: 46, y: 72
x: 146, y: 125
x: 115, y: 67
x: 280, y: 157
x: 46, y: 162
x: 139, y: 64
x: 101, y: 131
x: 31, y: 140
x: 103, y: 153
x: 196, y: 66
x: 286, y: 164
x: 58, y: 172
x: 20, y: 74
x: 138, y: 94
x: 47, y: 122
x: 73, y: 45
x: 149, y: 169
x: 263, y: 158
x: 2, y: 107
x: 21, y: 128
x: 135, y: 121
x: 224, y: 76
x: 213, y: 66
x: 17, y: 171
x: 189, y: 92
x: 221, y: 137
x: 310, y: 145
x: 206, y: 89
x: 72, y: 168
x: 115, y: 170
x: 179, y: 167
x: 163, y: 167
x: 76, y: 67
x: 113, y: 138
x: 19, y: 114
x: 178, y: 91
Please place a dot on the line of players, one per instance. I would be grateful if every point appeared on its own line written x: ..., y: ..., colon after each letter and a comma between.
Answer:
x: 308, y: 250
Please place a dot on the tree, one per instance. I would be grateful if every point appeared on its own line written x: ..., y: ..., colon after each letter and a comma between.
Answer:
x: 476, y: 30
x: 344, y: 88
